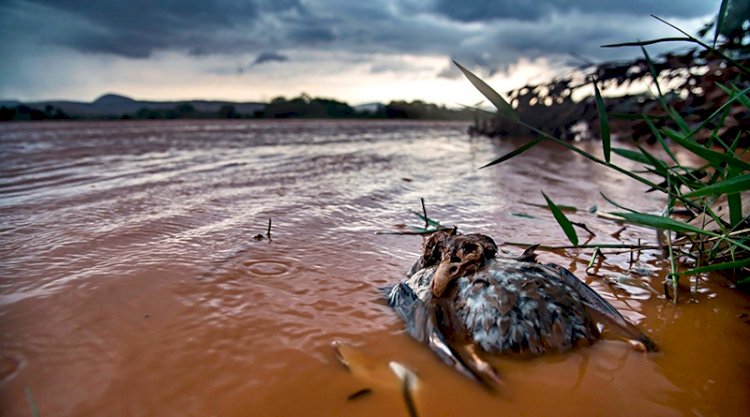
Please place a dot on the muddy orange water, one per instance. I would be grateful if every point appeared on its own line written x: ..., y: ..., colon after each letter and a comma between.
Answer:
x: 131, y: 284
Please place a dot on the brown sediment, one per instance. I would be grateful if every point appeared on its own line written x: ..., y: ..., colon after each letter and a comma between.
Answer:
x: 128, y: 284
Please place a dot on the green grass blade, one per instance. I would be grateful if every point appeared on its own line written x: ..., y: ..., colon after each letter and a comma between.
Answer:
x: 737, y: 184
x: 740, y: 96
x: 736, y: 142
x: 428, y: 220
x: 715, y: 51
x: 716, y: 138
x: 661, y: 166
x: 493, y: 96
x: 717, y: 267
x: 566, y: 144
x: 713, y: 157
x: 626, y: 116
x: 610, y: 201
x: 603, y: 122
x: 634, y: 156
x: 649, y: 42
x: 720, y: 19
x: 562, y: 207
x: 661, y: 140
x: 735, y: 209
x: 677, y: 118
x: 654, y: 75
x: 513, y: 153
x: 563, y: 221
x: 732, y: 92
x: 665, y: 223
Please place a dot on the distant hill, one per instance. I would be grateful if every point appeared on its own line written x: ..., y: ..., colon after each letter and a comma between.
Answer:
x: 115, y: 106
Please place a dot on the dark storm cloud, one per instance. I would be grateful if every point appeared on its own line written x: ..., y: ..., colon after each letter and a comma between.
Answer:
x: 310, y: 35
x: 137, y: 28
x: 484, y: 33
x: 269, y: 57
x: 484, y: 10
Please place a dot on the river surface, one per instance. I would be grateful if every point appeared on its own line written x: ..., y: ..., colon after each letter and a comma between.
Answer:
x: 131, y: 285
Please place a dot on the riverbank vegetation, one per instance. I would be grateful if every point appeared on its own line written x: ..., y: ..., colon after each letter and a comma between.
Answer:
x: 26, y: 113
x: 301, y: 107
x: 689, y: 80
x: 700, y: 105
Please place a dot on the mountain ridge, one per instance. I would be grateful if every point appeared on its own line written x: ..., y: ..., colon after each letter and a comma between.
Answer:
x: 112, y: 105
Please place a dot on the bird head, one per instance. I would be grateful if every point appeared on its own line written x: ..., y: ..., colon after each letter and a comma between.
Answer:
x: 456, y: 255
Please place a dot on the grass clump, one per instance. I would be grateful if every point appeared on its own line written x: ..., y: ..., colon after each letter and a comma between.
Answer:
x: 705, y: 221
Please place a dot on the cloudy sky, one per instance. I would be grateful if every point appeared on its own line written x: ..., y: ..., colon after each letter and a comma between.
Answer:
x: 357, y: 51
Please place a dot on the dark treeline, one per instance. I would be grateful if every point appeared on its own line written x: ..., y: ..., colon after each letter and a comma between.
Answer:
x: 305, y: 107
x: 185, y: 111
x: 302, y: 107
x: 422, y: 110
x: 23, y: 112
x: 320, y: 108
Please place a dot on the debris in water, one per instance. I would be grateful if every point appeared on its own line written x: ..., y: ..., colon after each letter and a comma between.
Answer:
x: 359, y: 394
x: 260, y: 237
x: 378, y: 373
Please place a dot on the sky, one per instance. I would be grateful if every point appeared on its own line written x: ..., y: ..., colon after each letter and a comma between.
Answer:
x: 355, y: 51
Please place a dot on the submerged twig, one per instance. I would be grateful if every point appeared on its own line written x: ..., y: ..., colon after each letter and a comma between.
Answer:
x: 673, y: 274
x: 32, y: 404
x: 430, y: 225
x: 597, y: 255
x: 260, y: 237
x: 415, y: 232
x: 592, y: 246
x: 619, y: 231
x: 407, y: 394
x: 359, y: 394
x: 584, y: 227
x: 673, y: 268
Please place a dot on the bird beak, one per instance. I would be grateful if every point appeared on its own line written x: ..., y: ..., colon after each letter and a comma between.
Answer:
x: 446, y: 272
x: 465, y: 260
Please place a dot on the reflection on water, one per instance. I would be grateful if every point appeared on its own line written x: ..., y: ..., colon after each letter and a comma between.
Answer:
x: 130, y: 283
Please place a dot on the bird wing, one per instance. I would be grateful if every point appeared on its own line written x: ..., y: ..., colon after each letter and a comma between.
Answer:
x: 422, y: 324
x: 513, y: 306
x: 602, y: 310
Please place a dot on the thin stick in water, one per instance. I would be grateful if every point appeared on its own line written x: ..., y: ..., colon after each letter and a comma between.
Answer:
x: 268, y: 233
x: 424, y: 211
x: 408, y: 398
x: 359, y: 394
x: 32, y: 404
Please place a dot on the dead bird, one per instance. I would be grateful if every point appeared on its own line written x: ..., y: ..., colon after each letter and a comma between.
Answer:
x: 462, y: 298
